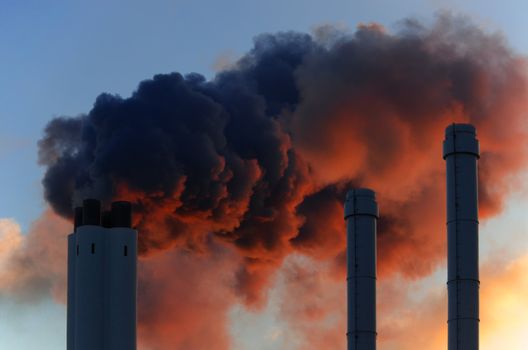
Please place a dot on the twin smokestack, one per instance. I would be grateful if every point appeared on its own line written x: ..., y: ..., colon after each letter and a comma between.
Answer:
x: 461, y: 152
x: 102, y: 282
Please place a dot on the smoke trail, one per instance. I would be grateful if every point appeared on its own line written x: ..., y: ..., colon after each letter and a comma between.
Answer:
x: 258, y: 158
x: 33, y: 266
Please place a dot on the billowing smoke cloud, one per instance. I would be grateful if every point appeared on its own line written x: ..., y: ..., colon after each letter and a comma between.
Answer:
x: 414, y: 313
x: 311, y: 301
x: 180, y: 283
x: 258, y: 159
x: 184, y: 299
x: 33, y: 266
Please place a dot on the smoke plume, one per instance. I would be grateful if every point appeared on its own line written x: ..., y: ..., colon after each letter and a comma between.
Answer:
x: 258, y: 158
x: 33, y: 266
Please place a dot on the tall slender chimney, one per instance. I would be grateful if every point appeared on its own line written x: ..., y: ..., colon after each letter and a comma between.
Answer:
x: 102, y: 279
x: 361, y: 214
x: 461, y: 152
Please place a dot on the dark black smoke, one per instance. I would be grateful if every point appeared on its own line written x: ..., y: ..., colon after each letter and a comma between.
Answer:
x: 261, y: 155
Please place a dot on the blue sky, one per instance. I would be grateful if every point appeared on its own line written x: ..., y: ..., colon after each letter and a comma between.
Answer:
x: 57, y: 56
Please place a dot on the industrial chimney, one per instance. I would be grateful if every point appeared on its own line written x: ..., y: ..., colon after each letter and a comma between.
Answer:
x: 361, y: 214
x: 102, y: 259
x: 461, y: 151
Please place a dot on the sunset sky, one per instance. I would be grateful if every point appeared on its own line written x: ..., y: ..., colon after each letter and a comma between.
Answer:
x: 273, y: 281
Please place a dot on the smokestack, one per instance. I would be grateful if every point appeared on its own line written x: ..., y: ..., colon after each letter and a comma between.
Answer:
x: 91, y: 212
x: 361, y: 214
x: 461, y: 151
x: 102, y: 279
x: 121, y: 214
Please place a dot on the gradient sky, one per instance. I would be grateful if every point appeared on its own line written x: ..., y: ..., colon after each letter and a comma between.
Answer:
x: 57, y: 56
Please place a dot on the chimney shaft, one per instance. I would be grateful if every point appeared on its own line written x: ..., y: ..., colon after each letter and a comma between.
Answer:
x: 461, y: 152
x: 361, y: 214
x: 102, y: 279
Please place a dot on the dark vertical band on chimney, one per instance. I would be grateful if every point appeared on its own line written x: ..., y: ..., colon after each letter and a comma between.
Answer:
x: 91, y: 212
x: 106, y: 219
x: 121, y: 214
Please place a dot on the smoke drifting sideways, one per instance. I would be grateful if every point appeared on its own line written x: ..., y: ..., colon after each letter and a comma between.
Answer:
x: 259, y: 157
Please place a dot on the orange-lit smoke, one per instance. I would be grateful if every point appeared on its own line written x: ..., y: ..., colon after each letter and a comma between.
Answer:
x: 422, y: 324
x: 251, y: 167
x: 504, y: 305
x: 411, y: 315
x: 182, y: 295
x: 184, y: 299
x: 34, y: 266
